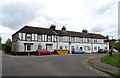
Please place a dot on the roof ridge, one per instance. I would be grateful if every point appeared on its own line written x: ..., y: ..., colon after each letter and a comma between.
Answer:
x: 35, y: 27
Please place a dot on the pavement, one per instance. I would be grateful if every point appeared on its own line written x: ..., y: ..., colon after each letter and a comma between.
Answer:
x: 103, y: 66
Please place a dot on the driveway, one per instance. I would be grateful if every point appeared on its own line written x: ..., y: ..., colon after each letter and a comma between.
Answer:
x: 47, y: 65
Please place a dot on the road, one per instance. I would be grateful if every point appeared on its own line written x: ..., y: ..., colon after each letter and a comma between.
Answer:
x: 46, y: 65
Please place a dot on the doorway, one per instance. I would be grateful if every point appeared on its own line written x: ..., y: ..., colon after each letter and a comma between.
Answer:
x: 49, y: 47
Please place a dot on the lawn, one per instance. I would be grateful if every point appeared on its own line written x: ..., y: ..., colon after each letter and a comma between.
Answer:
x: 113, y: 60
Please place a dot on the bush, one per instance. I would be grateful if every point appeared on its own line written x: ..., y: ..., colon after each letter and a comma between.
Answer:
x: 7, y: 48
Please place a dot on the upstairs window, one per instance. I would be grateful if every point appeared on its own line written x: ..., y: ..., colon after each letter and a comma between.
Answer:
x: 39, y: 37
x: 28, y: 37
x: 49, y: 38
x: 72, y: 39
x: 60, y: 38
x: 95, y: 40
x: 81, y: 40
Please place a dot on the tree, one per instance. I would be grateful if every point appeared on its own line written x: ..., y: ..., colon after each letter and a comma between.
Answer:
x: 7, y: 46
x: 8, y: 41
x: 116, y: 45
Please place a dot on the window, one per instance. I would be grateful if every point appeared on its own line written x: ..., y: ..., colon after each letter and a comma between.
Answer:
x: 49, y: 38
x: 60, y: 38
x: 89, y: 40
x: 28, y: 47
x: 80, y: 40
x: 95, y: 40
x: 86, y: 40
x: 55, y: 38
x: 83, y: 40
x: 77, y: 39
x: 39, y: 46
x: 39, y: 37
x: 21, y: 36
x: 65, y: 47
x: 98, y: 48
x: 61, y: 47
x: 86, y: 48
x: 72, y: 47
x: 95, y: 48
x: 72, y: 39
x: 77, y: 46
x: 65, y: 38
x: 28, y: 37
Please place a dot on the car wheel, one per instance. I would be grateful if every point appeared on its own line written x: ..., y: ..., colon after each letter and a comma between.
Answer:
x: 50, y: 53
x: 39, y: 54
x: 75, y: 53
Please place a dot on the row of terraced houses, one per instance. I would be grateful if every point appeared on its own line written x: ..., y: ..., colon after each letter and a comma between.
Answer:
x: 29, y: 39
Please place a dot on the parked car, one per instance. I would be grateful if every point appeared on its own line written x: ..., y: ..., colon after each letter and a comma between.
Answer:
x: 114, y: 50
x: 77, y: 51
x: 43, y: 51
x: 103, y: 51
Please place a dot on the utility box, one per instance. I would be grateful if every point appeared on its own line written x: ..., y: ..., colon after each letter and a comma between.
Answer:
x: 62, y: 52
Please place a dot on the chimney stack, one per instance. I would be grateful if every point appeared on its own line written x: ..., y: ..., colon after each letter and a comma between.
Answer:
x: 84, y: 31
x: 52, y: 26
x: 63, y: 28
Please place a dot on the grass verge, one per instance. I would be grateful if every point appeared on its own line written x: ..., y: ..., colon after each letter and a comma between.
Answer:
x: 113, y: 60
x: 91, y: 62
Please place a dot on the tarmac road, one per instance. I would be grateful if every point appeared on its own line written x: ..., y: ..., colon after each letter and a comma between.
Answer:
x: 47, y: 65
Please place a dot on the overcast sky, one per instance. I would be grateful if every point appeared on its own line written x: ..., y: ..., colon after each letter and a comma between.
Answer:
x: 97, y: 16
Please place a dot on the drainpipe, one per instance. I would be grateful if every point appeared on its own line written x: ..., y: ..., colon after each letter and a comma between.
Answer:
x: 91, y: 46
x: 56, y: 42
x: 70, y: 46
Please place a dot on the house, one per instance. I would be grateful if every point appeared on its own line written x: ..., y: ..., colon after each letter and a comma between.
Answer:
x: 29, y: 39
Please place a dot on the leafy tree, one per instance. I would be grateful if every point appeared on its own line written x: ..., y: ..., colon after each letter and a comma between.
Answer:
x: 7, y: 46
x: 116, y: 45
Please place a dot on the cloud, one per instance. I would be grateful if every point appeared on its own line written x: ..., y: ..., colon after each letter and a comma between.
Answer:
x: 6, y: 33
x: 17, y: 14
x: 98, y: 16
x: 100, y: 10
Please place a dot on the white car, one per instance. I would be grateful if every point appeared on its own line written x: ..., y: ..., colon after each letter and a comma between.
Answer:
x: 114, y: 50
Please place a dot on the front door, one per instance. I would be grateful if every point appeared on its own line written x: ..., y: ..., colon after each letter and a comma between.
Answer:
x: 28, y: 46
x: 49, y: 47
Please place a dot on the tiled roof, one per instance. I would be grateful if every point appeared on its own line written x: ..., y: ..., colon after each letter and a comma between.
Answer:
x: 39, y: 30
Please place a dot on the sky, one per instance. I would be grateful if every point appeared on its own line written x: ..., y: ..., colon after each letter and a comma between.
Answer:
x: 97, y: 16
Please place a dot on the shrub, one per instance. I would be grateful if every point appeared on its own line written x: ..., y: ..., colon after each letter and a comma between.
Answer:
x: 7, y: 48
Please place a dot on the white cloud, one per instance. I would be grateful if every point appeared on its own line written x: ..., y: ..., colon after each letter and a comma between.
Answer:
x: 6, y: 33
x: 98, y: 16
